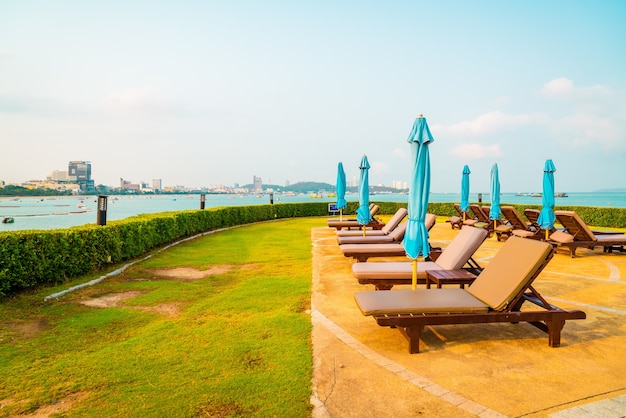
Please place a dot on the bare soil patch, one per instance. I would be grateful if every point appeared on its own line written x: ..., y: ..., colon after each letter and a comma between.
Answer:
x: 29, y: 329
x: 116, y: 300
x: 110, y: 300
x: 191, y: 274
x: 58, y: 407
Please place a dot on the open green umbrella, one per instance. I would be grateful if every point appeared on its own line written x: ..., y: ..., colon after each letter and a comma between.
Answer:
x: 416, y: 235
x: 341, y: 190
x: 494, y: 212
x: 546, y: 216
x: 363, y: 214
x: 465, y: 186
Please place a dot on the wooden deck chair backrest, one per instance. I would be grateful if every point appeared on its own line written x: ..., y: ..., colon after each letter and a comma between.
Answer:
x: 457, y: 207
x: 513, y: 216
x: 533, y: 217
x: 374, y: 209
x: 510, y: 272
x: 574, y: 225
x: 394, y: 221
x: 479, y: 214
x: 461, y: 248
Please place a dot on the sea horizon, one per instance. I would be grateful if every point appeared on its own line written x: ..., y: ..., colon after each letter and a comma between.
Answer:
x: 57, y: 212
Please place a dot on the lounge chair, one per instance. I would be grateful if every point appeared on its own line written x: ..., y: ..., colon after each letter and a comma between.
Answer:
x: 500, y: 227
x: 577, y: 234
x: 464, y: 218
x: 386, y: 230
x: 456, y: 255
x: 353, y: 223
x: 497, y: 295
x: 521, y: 228
x: 361, y: 252
x: 397, y: 235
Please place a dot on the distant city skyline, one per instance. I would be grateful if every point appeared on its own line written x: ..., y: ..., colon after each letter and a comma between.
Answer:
x: 208, y: 93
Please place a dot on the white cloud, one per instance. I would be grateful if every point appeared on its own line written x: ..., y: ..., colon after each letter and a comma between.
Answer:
x: 476, y: 151
x: 491, y: 123
x: 378, y: 167
x: 585, y: 130
x: 564, y: 88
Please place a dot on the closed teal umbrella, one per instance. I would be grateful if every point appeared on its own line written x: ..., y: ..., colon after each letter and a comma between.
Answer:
x: 494, y: 212
x: 363, y: 214
x: 546, y: 216
x: 341, y: 189
x: 416, y: 236
x: 465, y: 186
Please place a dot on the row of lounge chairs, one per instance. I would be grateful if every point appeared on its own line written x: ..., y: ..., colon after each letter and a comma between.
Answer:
x: 496, y: 295
x: 574, y: 232
x: 349, y: 223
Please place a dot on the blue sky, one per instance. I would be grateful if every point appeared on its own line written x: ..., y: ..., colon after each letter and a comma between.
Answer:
x: 200, y: 93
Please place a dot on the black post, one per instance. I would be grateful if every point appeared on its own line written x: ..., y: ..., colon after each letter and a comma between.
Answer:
x: 480, y: 198
x: 102, y: 210
x: 202, y: 200
x: 271, y: 198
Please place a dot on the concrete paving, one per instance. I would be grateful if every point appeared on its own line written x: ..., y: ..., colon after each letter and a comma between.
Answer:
x: 485, y: 370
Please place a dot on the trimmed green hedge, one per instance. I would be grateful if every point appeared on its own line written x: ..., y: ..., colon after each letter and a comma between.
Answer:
x: 33, y: 258
x: 36, y: 257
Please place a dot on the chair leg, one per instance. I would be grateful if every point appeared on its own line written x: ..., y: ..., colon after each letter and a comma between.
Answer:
x: 412, y: 334
x: 554, y: 332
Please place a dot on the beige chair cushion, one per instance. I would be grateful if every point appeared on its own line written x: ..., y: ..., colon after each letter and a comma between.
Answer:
x: 561, y: 237
x: 504, y: 228
x: 430, y: 221
x: 385, y: 230
x: 407, y: 301
x: 395, y: 220
x: 509, y: 271
x: 398, y: 233
x: 392, y: 269
x: 373, y: 250
x: 461, y: 248
x: 453, y: 257
x: 523, y: 233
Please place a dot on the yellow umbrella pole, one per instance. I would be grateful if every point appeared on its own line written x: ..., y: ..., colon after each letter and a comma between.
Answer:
x: 363, y: 230
x: 547, y: 235
x: 414, y: 276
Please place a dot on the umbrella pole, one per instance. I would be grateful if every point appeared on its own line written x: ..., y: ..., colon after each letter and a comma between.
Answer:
x: 363, y: 230
x: 340, y: 215
x: 414, y: 276
x: 547, y: 235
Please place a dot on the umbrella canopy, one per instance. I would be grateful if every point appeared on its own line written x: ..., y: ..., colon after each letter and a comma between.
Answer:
x: 465, y: 186
x: 494, y: 212
x: 363, y: 215
x: 416, y: 236
x: 341, y: 187
x: 546, y: 216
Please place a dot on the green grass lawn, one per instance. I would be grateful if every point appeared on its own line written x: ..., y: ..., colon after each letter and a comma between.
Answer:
x: 165, y: 343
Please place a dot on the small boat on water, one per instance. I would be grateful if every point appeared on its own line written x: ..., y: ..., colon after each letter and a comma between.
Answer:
x: 8, y: 220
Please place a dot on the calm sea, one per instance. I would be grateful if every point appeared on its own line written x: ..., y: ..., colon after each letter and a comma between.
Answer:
x: 65, y: 212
